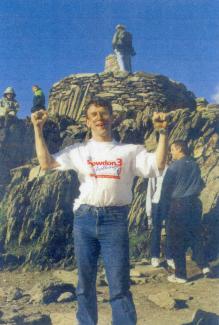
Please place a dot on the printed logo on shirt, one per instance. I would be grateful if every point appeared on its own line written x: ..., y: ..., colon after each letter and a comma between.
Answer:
x: 106, y: 168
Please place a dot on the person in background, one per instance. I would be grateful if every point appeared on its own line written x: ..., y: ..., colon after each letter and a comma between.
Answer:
x: 156, y: 219
x: 38, y: 99
x: 182, y: 185
x: 8, y: 104
x: 122, y: 46
x: 8, y: 107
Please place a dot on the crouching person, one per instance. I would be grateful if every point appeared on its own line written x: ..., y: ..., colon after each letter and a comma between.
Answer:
x: 8, y: 106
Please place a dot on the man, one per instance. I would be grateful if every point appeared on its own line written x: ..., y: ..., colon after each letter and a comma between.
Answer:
x: 181, y: 187
x: 122, y: 46
x: 38, y: 99
x: 106, y: 170
x: 8, y: 104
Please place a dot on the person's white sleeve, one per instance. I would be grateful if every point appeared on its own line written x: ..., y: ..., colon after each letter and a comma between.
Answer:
x: 146, y: 164
x: 67, y: 158
x: 149, y: 196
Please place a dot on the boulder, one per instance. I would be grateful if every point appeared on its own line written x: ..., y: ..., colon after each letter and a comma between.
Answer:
x: 66, y: 297
x: 202, y: 317
x: 33, y: 319
x: 14, y: 294
x: 50, y: 292
x: 163, y: 300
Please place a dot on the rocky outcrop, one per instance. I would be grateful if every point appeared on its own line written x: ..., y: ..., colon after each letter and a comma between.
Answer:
x: 39, y: 219
x: 200, y: 129
x: 36, y: 211
x: 16, y: 147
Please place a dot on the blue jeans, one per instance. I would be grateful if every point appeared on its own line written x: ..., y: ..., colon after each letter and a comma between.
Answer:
x: 157, y: 221
x: 103, y: 230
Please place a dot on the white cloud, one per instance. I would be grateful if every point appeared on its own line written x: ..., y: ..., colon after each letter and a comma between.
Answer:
x: 215, y: 96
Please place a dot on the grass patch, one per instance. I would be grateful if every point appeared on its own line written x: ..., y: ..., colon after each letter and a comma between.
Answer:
x: 139, y: 244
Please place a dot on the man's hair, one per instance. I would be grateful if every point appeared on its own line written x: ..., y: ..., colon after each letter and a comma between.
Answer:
x: 182, y: 145
x: 36, y: 86
x: 99, y: 102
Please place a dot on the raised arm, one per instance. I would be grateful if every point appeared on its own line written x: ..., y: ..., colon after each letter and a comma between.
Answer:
x: 46, y: 161
x: 160, y: 123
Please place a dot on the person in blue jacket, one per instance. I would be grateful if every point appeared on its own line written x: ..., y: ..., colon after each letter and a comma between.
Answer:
x: 38, y: 99
x: 181, y: 188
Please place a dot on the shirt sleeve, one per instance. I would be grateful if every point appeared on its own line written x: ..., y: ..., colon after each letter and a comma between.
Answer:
x: 145, y: 163
x: 149, y: 195
x: 67, y: 158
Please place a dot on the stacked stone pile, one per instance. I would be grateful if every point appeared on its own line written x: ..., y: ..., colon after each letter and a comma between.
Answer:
x: 111, y: 64
x: 129, y: 94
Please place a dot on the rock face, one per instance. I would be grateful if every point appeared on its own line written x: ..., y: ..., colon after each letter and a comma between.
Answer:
x: 36, y: 210
x: 39, y: 219
x: 16, y: 147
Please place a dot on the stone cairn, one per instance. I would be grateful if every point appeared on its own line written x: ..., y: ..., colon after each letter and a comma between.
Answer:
x: 128, y: 92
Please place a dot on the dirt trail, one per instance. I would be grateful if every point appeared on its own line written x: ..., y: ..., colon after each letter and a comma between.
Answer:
x: 200, y: 293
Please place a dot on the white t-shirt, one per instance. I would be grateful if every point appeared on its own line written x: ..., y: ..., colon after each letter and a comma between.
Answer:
x: 106, y: 170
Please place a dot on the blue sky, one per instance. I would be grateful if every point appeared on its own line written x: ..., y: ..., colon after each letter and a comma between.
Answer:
x: 42, y: 41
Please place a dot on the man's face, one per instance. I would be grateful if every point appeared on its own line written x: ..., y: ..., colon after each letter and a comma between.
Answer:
x: 9, y: 95
x: 175, y: 152
x: 99, y: 120
x: 34, y: 89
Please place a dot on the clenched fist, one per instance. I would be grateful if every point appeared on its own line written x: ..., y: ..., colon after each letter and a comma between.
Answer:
x: 39, y: 118
x: 160, y: 120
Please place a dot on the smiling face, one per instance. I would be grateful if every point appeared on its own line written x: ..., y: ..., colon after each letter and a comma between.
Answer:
x: 99, y: 120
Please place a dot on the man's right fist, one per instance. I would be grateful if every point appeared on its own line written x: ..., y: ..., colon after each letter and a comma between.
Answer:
x: 39, y: 118
x: 160, y: 120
